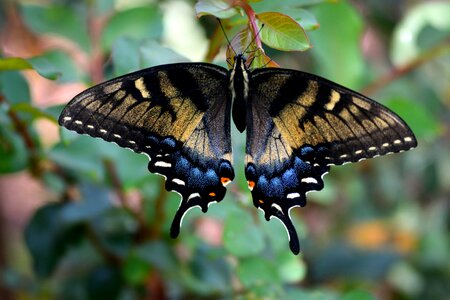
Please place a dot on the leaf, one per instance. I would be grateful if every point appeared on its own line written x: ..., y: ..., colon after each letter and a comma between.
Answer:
x: 337, y: 50
x: 35, y: 112
x: 218, y: 8
x: 13, y: 153
x: 44, y: 67
x: 47, y: 238
x: 158, y: 255
x: 358, y: 295
x: 94, y: 202
x: 244, y: 42
x: 137, y: 23
x: 305, y: 18
x: 14, y: 87
x: 135, y: 270
x: 241, y: 236
x: 65, y: 20
x: 406, y: 38
x: 104, y: 282
x: 291, y: 268
x: 282, y: 32
x: 256, y: 271
x: 56, y: 64
x: 422, y: 122
x: 342, y: 260
x: 313, y: 294
x: 14, y: 63
x: 84, y: 156
x: 212, y: 269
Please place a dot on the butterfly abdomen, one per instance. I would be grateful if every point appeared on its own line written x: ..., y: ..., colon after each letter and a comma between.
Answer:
x: 239, y: 86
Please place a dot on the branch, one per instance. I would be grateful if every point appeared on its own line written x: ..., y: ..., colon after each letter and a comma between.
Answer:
x: 394, y: 74
x: 22, y: 130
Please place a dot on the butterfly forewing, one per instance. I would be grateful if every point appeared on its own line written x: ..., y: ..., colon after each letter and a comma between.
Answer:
x: 177, y: 114
x: 300, y: 124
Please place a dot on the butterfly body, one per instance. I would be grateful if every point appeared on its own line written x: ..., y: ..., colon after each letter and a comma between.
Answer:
x: 298, y: 125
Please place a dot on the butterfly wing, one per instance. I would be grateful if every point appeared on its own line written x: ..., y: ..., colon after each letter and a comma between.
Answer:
x: 178, y: 114
x: 300, y: 124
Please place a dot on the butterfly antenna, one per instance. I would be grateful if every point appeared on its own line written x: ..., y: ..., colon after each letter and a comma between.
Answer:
x: 226, y: 37
x: 270, y: 60
x: 254, y: 38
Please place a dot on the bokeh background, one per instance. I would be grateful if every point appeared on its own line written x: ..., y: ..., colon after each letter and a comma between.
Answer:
x: 83, y: 219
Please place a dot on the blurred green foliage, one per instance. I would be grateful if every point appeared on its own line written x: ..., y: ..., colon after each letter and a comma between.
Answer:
x: 379, y: 229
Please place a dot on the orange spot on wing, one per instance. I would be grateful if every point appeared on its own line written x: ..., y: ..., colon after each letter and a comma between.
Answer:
x: 251, y: 184
x: 260, y: 201
x: 212, y: 194
x: 225, y: 180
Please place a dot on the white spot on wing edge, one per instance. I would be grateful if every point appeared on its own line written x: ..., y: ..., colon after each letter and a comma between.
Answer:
x: 163, y: 164
x: 178, y: 181
x: 193, y: 195
x: 67, y: 118
x: 277, y: 207
x: 78, y: 122
x: 309, y: 180
x: 293, y: 195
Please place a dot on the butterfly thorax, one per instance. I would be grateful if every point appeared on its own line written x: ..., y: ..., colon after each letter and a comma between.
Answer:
x: 239, y: 87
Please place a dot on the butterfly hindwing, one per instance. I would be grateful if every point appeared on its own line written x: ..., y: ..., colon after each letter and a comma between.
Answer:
x: 178, y: 114
x: 300, y: 124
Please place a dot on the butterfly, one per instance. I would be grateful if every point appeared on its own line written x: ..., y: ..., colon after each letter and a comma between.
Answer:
x: 298, y: 125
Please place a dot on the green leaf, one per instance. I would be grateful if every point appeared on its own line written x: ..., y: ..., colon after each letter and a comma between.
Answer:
x: 313, y: 294
x: 35, y: 112
x: 256, y: 271
x: 422, y: 122
x: 291, y: 268
x: 47, y: 238
x: 212, y: 269
x: 158, y: 255
x: 138, y: 23
x: 68, y: 21
x: 84, y: 156
x: 218, y: 8
x: 305, y: 18
x: 241, y: 236
x: 13, y: 153
x: 135, y: 270
x: 336, y: 46
x: 358, y: 295
x: 125, y: 56
x: 14, y: 63
x: 94, y: 202
x: 44, y: 67
x: 56, y: 64
x: 104, y: 282
x: 406, y: 38
x: 282, y: 32
x: 129, y: 55
x: 14, y: 87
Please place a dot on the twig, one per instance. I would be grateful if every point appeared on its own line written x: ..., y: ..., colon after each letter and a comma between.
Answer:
x: 109, y: 256
x: 408, y: 67
x: 23, y: 132
x: 160, y: 216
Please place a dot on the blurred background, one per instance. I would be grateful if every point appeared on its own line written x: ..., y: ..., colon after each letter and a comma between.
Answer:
x: 83, y: 219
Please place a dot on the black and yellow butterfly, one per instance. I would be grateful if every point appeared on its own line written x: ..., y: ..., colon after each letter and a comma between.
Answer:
x: 298, y: 125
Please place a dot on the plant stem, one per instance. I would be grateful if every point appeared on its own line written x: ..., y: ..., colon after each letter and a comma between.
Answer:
x: 395, y: 73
